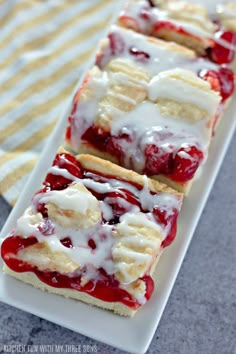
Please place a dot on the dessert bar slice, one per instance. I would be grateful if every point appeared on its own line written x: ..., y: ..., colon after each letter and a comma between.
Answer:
x: 160, y: 127
x: 94, y: 233
x: 144, y: 57
x: 182, y: 22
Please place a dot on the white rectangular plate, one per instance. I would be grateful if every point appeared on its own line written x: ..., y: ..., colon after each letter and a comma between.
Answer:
x: 133, y: 335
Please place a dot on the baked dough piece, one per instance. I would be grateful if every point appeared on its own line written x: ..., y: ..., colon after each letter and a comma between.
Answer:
x: 158, y: 127
x: 226, y: 15
x: 94, y: 233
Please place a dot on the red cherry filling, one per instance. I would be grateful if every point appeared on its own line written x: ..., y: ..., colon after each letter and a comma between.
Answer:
x: 114, y: 147
x: 161, y: 157
x: 186, y: 163
x: 150, y: 286
x: 221, y: 81
x: 97, y: 137
x: 114, y: 199
x: 180, y: 166
x: 117, y: 44
x: 67, y: 162
x: 140, y: 56
x: 223, y: 51
x: 212, y: 76
x: 42, y: 209
x: 92, y: 244
x: 164, y: 218
x: 68, y: 133
x: 105, y: 142
x: 145, y: 14
x: 66, y: 242
x: 158, y: 160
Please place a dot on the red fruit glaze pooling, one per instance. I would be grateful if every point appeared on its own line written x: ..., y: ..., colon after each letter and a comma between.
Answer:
x: 185, y: 167
x: 221, y: 81
x: 145, y: 14
x: 92, y: 244
x: 66, y: 242
x: 158, y: 161
x: 112, y: 198
x: 140, y: 56
x: 64, y: 161
x: 223, y: 53
x: 162, y: 218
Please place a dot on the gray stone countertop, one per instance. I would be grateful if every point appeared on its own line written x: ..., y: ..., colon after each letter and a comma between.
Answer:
x: 200, y: 317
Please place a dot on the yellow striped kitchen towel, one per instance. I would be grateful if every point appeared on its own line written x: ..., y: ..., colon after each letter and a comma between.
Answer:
x: 43, y: 47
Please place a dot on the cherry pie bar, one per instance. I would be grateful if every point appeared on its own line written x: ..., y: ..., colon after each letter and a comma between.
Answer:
x: 185, y: 23
x: 126, y: 51
x: 160, y: 127
x: 94, y: 233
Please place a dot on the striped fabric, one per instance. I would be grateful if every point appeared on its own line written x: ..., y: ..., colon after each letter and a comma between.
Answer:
x: 43, y: 46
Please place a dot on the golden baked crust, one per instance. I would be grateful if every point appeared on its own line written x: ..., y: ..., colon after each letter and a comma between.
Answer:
x: 108, y: 168
x: 31, y: 278
x: 179, y: 188
x: 226, y: 14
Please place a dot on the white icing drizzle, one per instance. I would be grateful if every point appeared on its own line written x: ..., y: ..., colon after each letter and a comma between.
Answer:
x: 85, y: 115
x: 124, y: 98
x: 136, y: 219
x: 107, y: 212
x: 71, y: 199
x: 179, y: 132
x: 166, y: 86
x: 161, y: 57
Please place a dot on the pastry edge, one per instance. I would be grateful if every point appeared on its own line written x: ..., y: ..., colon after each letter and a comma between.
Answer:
x: 32, y: 279
x: 117, y: 307
x: 161, y: 182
